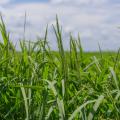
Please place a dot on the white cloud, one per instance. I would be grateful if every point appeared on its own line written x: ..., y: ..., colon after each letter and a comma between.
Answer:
x: 3, y: 2
x: 93, y: 23
x: 97, y: 2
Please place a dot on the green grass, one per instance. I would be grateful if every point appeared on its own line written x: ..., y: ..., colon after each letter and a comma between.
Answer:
x: 40, y: 84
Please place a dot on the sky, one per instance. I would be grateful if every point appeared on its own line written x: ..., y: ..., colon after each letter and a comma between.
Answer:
x: 97, y: 21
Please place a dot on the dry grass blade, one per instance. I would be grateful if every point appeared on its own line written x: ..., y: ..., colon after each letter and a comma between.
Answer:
x: 61, y: 109
x: 49, y: 113
x: 95, y: 107
x: 78, y: 110
x: 114, y: 77
x: 25, y: 101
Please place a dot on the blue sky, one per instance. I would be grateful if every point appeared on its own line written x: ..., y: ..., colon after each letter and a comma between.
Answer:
x: 97, y: 21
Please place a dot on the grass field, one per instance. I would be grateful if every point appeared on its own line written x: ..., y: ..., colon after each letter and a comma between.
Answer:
x: 39, y: 84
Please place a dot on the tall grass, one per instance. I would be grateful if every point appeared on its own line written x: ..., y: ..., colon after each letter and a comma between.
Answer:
x: 39, y: 84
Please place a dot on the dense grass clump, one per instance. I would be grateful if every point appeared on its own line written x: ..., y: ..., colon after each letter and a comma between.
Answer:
x: 39, y: 84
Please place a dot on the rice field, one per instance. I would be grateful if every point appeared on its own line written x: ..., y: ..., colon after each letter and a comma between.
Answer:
x: 40, y: 84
